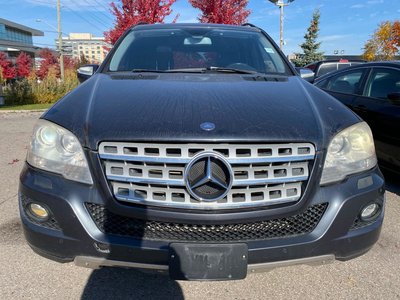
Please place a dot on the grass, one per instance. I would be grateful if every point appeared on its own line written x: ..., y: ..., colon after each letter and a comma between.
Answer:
x: 25, y: 107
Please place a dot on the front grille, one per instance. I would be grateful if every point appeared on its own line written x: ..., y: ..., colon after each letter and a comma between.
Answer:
x: 154, y: 174
x: 110, y: 223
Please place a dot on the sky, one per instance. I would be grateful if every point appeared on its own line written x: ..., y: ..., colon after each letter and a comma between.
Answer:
x: 344, y: 26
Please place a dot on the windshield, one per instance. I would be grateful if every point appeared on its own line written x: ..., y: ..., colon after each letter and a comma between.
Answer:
x: 197, y: 48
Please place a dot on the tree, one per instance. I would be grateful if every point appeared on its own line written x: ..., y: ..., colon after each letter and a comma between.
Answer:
x: 222, y: 11
x: 23, y: 64
x: 70, y: 63
x: 384, y: 43
x: 82, y: 60
x: 310, y: 46
x: 48, y: 60
x: 132, y: 12
x: 7, y: 68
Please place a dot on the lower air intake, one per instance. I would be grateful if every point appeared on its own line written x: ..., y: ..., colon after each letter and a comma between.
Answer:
x: 113, y: 224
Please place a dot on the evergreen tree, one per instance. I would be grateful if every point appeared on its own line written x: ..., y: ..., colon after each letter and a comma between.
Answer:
x: 83, y: 60
x: 310, y: 46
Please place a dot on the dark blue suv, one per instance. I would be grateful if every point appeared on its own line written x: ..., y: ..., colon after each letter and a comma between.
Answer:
x: 195, y: 149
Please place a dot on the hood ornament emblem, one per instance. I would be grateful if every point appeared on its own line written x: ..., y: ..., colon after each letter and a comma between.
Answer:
x: 207, y: 126
x: 208, y: 177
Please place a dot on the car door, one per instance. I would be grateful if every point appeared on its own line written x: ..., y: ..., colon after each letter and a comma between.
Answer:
x: 380, y: 113
x: 345, y: 86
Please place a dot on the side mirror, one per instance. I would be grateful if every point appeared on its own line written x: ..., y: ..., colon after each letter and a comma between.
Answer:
x: 86, y: 71
x: 394, y: 98
x: 306, y: 74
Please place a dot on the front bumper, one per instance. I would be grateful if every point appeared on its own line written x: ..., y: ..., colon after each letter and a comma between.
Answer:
x: 77, y: 238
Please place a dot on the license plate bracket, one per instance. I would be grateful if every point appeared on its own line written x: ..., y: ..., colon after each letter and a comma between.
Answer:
x: 208, y: 261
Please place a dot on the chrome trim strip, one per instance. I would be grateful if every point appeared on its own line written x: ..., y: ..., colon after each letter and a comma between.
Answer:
x: 146, y: 180
x: 233, y: 161
x: 97, y: 262
x: 245, y: 182
x: 311, y: 261
x: 173, y: 182
x: 207, y: 205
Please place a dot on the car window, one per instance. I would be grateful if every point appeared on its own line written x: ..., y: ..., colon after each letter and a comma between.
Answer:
x: 383, y: 82
x: 342, y: 66
x: 169, y: 49
x: 347, y: 83
x: 326, y: 68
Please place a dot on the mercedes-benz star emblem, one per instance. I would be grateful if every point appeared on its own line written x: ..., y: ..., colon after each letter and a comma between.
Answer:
x: 208, y: 177
x: 207, y: 126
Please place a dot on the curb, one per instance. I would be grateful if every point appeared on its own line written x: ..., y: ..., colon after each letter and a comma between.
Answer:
x: 23, y: 111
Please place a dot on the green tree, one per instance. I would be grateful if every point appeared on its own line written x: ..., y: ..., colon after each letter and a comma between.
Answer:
x: 310, y: 46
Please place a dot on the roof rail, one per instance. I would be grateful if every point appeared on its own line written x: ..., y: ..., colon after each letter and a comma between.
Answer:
x: 141, y: 23
x: 250, y: 25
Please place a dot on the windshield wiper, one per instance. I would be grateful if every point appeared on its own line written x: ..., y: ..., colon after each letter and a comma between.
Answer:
x: 230, y: 70
x: 197, y: 70
x: 147, y: 71
x: 187, y: 70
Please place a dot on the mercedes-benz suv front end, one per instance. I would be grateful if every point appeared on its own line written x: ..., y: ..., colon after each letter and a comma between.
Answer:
x: 196, y: 150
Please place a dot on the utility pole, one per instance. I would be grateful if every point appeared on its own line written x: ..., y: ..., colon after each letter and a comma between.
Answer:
x: 60, y: 48
x: 281, y: 4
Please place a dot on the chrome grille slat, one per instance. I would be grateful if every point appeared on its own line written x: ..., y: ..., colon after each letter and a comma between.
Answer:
x: 175, y: 160
x: 276, y: 152
x: 165, y: 169
x: 226, y: 203
x: 153, y: 174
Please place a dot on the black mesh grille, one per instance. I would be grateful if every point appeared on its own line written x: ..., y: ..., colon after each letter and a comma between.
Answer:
x: 358, y: 223
x: 110, y: 223
x: 50, y: 223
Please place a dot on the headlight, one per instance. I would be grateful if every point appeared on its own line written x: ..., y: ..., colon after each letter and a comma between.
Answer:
x: 57, y: 150
x: 351, y: 151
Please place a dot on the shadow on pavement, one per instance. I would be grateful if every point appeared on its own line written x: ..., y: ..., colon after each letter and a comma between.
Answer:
x: 116, y: 283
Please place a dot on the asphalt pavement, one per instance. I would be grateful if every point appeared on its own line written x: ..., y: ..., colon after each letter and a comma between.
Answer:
x: 25, y: 275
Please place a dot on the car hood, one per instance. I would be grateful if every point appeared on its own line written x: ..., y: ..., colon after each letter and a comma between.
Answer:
x: 171, y: 107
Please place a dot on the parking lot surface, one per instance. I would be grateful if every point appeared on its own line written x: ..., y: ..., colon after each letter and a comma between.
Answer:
x: 25, y: 275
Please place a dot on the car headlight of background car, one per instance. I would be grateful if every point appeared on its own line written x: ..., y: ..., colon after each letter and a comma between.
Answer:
x: 351, y: 151
x: 57, y: 150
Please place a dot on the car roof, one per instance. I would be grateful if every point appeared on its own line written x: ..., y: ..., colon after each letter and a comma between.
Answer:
x: 393, y: 63
x: 244, y: 27
x: 339, y: 60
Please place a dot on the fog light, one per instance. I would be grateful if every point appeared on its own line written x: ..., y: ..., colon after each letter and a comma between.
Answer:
x: 38, y: 211
x: 369, y: 212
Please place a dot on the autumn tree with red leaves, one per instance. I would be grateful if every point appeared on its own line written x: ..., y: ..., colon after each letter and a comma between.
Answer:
x: 23, y: 65
x: 7, y: 68
x: 232, y: 12
x: 48, y: 60
x: 70, y: 63
x: 132, y: 12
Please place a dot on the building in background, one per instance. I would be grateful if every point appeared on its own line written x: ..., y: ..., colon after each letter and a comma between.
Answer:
x: 16, y: 38
x: 76, y: 44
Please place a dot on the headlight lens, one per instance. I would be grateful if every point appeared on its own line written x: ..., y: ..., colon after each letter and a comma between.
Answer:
x: 351, y: 151
x: 57, y: 150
